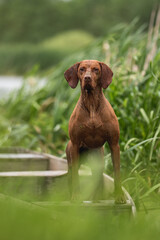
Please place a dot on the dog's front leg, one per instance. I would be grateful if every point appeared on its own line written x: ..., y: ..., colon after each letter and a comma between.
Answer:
x: 72, y: 152
x: 97, y: 167
x: 115, y: 152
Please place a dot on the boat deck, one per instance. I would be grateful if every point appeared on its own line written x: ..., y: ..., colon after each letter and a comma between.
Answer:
x: 44, y: 177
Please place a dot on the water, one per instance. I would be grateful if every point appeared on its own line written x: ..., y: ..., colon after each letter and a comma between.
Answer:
x: 8, y: 84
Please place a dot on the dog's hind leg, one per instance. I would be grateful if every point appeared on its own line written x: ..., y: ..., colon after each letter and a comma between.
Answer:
x: 72, y: 153
x: 97, y: 167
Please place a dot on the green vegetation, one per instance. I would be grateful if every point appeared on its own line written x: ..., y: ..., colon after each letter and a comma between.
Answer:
x: 38, y: 120
x: 19, y: 222
x: 69, y: 41
x: 20, y: 58
x: 36, y: 20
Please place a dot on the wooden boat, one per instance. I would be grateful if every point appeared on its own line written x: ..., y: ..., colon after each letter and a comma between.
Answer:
x: 25, y: 174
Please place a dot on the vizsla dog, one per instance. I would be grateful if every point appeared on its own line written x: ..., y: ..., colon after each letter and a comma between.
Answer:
x: 92, y: 123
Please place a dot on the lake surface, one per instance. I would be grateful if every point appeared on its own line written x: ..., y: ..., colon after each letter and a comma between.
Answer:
x: 9, y: 84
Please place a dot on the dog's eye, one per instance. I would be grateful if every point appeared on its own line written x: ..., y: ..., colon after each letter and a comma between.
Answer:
x: 82, y: 69
x: 96, y: 70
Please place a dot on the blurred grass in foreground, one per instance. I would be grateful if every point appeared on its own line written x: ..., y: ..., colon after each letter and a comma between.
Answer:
x: 20, y: 221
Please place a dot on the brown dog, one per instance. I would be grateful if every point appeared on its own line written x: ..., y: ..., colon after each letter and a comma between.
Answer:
x: 93, y: 122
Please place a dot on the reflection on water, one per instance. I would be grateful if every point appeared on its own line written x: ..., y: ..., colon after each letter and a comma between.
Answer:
x: 9, y: 84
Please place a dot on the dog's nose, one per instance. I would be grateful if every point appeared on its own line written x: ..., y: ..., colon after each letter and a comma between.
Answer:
x: 87, y: 78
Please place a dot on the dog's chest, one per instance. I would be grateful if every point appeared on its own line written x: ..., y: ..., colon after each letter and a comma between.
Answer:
x: 92, y: 125
x: 91, y: 121
x: 92, y: 132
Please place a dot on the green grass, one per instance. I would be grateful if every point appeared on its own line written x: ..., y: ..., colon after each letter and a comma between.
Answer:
x: 19, y: 221
x: 39, y: 119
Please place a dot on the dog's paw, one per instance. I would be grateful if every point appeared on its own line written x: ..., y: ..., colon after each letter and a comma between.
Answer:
x: 75, y: 197
x: 120, y: 198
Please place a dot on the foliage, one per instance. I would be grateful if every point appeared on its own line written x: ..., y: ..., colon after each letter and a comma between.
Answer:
x: 36, y: 20
x: 20, y: 58
x: 20, y: 221
x: 26, y: 21
x: 68, y: 41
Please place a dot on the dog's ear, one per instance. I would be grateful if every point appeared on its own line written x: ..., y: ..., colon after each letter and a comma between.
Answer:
x: 71, y: 75
x: 106, y: 75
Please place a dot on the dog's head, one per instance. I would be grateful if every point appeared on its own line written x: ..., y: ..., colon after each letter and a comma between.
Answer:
x: 91, y: 74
